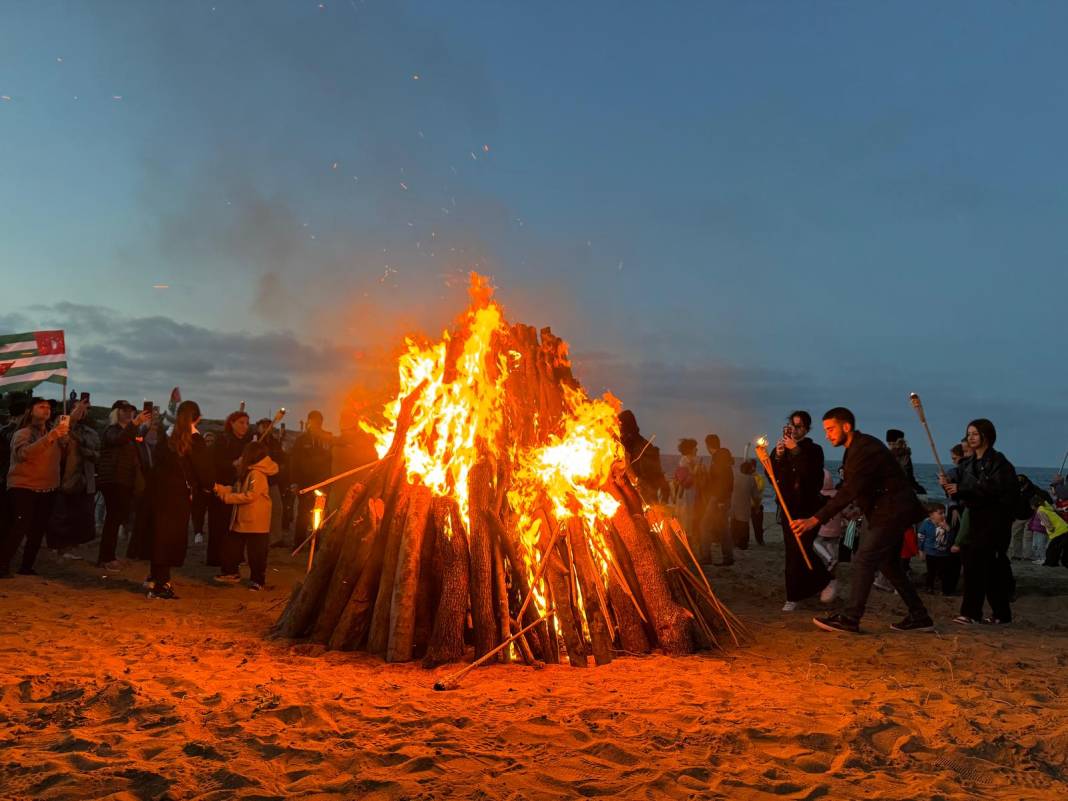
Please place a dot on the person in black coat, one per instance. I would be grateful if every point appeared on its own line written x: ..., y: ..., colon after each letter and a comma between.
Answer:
x: 225, y: 452
x: 877, y: 484
x: 798, y: 465
x: 179, y: 471
x: 988, y: 489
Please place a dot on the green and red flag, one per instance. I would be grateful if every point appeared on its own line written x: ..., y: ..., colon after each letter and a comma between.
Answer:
x: 27, y: 360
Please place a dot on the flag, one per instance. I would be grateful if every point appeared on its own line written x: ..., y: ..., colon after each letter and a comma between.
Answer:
x: 172, y: 407
x: 28, y: 359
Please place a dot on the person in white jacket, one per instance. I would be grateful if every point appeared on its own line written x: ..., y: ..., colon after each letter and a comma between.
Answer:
x: 250, y: 524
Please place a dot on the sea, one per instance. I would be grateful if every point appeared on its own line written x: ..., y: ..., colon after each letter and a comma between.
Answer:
x: 926, y: 475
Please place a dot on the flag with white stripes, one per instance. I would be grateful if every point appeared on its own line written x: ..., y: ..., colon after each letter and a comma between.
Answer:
x: 28, y: 359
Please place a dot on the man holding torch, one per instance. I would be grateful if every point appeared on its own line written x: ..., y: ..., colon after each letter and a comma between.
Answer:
x: 875, y: 481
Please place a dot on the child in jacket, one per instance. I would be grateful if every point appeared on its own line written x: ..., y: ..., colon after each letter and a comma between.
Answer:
x: 250, y: 524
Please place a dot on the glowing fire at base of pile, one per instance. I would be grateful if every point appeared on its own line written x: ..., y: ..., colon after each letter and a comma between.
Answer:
x: 502, y: 491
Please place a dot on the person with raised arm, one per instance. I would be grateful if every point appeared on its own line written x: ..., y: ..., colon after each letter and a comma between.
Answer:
x: 876, y: 482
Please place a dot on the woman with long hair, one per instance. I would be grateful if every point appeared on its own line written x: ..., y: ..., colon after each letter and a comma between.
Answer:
x: 988, y: 490
x: 225, y: 453
x: 178, y: 473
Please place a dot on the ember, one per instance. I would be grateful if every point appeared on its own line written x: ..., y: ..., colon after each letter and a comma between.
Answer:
x: 502, y: 488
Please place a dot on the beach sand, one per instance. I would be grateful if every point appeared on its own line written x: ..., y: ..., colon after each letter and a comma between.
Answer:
x: 108, y: 695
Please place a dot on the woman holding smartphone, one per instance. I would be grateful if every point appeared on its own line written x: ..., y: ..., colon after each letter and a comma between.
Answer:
x: 32, y: 481
x: 178, y: 472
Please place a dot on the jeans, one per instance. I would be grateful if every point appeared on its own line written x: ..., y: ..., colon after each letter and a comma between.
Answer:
x: 880, y: 550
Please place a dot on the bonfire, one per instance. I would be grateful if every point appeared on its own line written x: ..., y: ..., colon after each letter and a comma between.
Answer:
x: 501, y: 512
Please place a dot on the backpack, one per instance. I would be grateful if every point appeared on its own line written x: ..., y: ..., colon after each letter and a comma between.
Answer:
x: 683, y: 476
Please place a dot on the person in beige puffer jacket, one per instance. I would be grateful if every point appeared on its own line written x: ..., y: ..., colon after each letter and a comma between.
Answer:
x: 250, y: 524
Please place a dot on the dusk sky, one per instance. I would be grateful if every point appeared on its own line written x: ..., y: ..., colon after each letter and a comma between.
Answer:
x: 728, y: 209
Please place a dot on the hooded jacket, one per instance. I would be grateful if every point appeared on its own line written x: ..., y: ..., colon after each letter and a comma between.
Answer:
x: 990, y: 492
x: 252, y: 499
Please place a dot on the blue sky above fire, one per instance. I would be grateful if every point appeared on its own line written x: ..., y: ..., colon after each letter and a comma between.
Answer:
x: 728, y: 209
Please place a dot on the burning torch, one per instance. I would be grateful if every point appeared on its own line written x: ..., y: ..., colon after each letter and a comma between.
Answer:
x: 762, y: 454
x: 914, y: 399
x: 317, y: 523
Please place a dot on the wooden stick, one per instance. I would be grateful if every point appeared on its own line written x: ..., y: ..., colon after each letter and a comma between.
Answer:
x: 452, y: 681
x: 312, y: 536
x: 765, y: 460
x: 918, y: 406
x: 541, y: 569
x: 338, y: 477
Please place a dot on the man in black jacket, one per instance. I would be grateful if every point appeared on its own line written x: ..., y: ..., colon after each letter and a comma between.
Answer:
x: 875, y: 481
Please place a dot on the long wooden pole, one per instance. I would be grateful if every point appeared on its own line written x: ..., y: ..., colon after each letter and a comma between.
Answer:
x: 454, y: 679
x: 762, y: 455
x: 918, y: 406
x: 338, y: 477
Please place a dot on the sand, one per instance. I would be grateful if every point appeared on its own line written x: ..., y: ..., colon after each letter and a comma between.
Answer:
x: 108, y: 695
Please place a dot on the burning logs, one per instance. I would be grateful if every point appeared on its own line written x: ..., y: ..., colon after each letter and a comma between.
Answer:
x: 501, y: 518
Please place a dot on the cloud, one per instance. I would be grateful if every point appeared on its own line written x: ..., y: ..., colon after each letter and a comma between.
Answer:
x: 113, y: 355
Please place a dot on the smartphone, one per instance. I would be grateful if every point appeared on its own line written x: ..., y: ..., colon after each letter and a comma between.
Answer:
x: 85, y: 398
x: 147, y: 408
x: 787, y: 431
x: 64, y: 420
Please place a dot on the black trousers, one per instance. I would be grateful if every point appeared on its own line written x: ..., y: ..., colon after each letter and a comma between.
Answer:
x: 255, y: 545
x: 1056, y: 552
x: 740, y: 533
x: 757, y: 519
x: 880, y: 550
x: 30, y: 511
x: 200, y: 511
x: 117, y: 501
x: 944, y: 570
x: 219, y: 516
x: 987, y: 577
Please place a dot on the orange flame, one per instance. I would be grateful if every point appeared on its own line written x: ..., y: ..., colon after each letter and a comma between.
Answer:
x: 459, y: 418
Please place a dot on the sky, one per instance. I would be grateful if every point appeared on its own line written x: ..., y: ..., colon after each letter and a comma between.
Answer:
x: 730, y: 210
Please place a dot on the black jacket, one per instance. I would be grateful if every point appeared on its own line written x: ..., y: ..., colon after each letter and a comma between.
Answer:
x: 118, y: 456
x: 875, y: 481
x: 989, y: 491
x: 226, y: 450
x: 800, y: 478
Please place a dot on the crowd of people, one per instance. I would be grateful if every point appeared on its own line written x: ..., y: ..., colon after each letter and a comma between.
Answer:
x: 874, y: 514
x: 162, y: 483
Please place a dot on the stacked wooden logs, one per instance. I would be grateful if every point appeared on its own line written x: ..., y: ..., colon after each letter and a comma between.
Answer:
x: 405, y: 575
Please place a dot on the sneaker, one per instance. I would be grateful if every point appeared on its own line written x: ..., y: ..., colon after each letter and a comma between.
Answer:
x: 1041, y: 561
x: 996, y: 621
x: 911, y: 623
x: 228, y: 578
x: 789, y: 606
x: 71, y: 555
x: 113, y: 566
x: 255, y: 586
x: 881, y: 583
x: 964, y: 620
x: 163, y: 592
x: 830, y: 592
x: 837, y: 623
